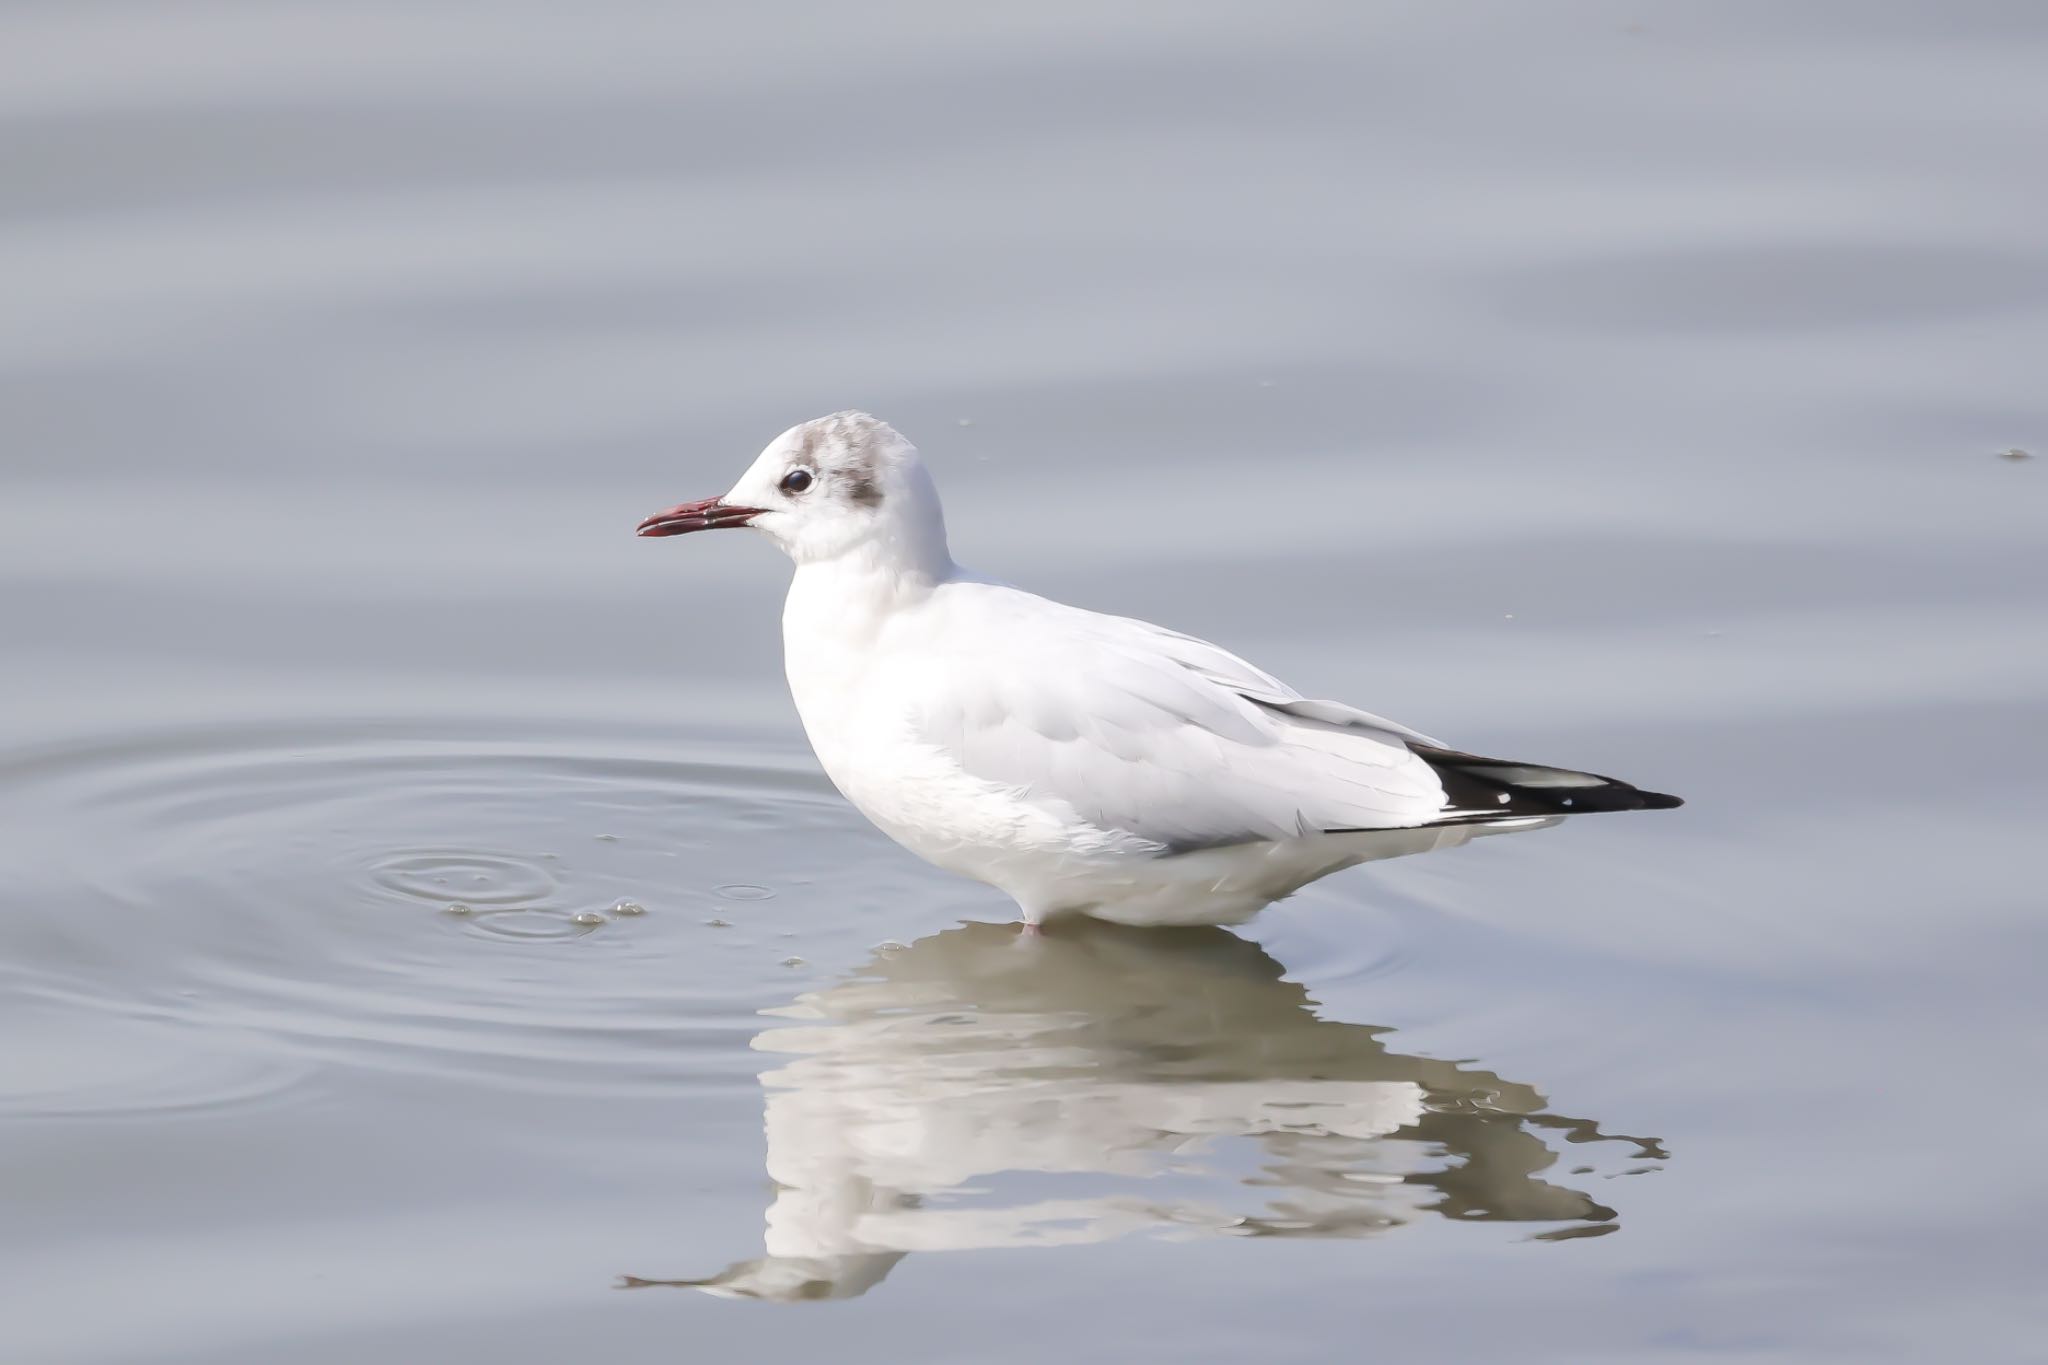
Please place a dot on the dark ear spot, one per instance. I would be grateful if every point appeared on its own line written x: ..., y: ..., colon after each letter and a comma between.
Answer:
x: 863, y: 487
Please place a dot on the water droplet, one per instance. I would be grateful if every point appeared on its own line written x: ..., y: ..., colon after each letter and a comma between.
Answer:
x: 588, y: 918
x: 458, y: 908
x: 629, y: 908
x: 719, y: 923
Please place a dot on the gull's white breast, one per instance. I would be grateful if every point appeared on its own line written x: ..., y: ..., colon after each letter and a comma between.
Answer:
x: 860, y: 679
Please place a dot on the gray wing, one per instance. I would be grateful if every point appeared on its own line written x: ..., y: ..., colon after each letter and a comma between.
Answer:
x: 1167, y: 737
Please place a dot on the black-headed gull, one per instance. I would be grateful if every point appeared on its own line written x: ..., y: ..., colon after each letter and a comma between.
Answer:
x: 1081, y: 763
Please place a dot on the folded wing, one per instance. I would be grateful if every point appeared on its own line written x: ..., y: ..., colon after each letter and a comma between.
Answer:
x: 1168, y: 737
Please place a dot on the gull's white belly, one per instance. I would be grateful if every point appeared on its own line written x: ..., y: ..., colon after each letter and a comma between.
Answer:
x: 978, y: 829
x: 1039, y: 852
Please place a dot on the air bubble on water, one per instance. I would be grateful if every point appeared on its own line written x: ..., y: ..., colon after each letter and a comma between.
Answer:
x: 719, y: 923
x: 588, y: 918
x: 745, y: 891
x: 794, y: 962
x: 890, y: 945
x: 606, y: 838
x: 458, y: 908
x: 629, y: 908
x: 2015, y: 454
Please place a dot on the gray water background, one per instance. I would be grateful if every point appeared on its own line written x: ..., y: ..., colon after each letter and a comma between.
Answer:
x: 1613, y: 384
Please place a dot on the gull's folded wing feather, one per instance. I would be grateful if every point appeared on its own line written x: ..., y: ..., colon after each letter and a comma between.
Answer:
x: 1164, y: 736
x: 1254, y: 684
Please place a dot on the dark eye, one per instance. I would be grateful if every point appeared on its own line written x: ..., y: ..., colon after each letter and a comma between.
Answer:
x: 796, y: 480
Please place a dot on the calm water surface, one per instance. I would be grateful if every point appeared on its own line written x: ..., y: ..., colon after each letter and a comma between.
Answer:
x: 424, y: 934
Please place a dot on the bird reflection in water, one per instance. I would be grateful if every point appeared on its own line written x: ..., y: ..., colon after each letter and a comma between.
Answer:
x: 981, y: 1089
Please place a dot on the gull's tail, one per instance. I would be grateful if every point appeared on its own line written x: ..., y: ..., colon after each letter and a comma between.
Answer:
x: 1477, y: 790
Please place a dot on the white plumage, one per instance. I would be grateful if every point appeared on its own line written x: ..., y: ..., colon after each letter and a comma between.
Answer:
x: 1082, y: 763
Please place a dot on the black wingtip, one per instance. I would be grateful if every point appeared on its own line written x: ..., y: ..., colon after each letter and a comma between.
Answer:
x: 1482, y: 790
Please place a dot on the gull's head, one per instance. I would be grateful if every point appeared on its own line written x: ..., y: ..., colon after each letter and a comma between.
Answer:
x: 831, y: 487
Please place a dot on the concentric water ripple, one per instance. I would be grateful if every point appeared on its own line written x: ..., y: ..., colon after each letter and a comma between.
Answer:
x: 467, y: 876
x: 530, y: 906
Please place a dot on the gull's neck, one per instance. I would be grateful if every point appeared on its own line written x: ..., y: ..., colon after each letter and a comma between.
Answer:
x: 850, y: 595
